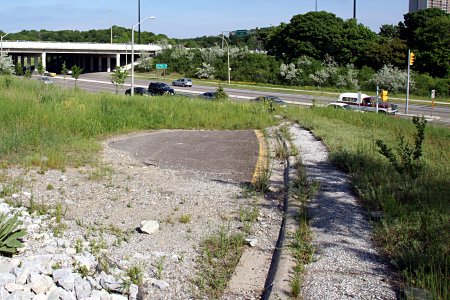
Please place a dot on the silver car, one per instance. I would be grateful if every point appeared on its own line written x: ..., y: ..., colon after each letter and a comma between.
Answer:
x: 183, y: 82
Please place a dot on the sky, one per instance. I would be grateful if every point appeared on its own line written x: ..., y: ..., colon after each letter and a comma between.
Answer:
x: 186, y: 18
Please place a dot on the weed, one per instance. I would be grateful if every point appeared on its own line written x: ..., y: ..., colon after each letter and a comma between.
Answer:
x: 97, y: 245
x: 248, y: 216
x: 160, y: 267
x: 220, y: 254
x: 296, y: 285
x: 261, y: 183
x: 10, y: 236
x: 136, y: 275
x: 50, y: 187
x: 185, y: 218
x: 79, y: 245
x: 56, y: 266
x: 101, y: 173
x: 280, y: 151
x: 83, y: 271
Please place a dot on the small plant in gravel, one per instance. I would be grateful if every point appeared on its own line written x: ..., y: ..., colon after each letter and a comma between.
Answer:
x: 220, y: 254
x: 50, y: 187
x: 79, y: 245
x: 280, y: 151
x: 9, y: 235
x: 97, y: 245
x: 261, y: 183
x: 82, y: 270
x: 160, y: 267
x: 58, y: 213
x: 100, y: 173
x: 136, y: 275
x: 248, y: 216
x: 185, y: 218
x: 39, y: 208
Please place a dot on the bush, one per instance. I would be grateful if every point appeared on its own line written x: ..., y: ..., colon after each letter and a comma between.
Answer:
x: 424, y: 83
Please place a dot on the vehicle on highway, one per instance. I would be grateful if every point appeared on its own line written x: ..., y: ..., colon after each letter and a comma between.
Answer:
x: 208, y: 95
x: 45, y: 80
x: 339, y: 105
x: 50, y: 74
x: 270, y: 99
x: 367, y: 103
x: 160, y: 88
x: 183, y: 82
x: 139, y: 91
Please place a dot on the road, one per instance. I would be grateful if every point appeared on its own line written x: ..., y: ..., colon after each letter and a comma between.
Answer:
x: 99, y: 82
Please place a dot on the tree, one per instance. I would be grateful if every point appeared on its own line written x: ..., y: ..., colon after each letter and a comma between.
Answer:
x: 220, y: 94
x: 144, y: 63
x: 389, y: 31
x: 391, y: 78
x: 426, y: 33
x: 40, y: 68
x: 205, y: 71
x: 118, y: 77
x: 19, y: 69
x: 6, y: 65
x: 76, y: 72
x: 64, y: 72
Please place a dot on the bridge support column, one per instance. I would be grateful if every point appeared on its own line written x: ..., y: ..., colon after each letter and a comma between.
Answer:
x: 83, y: 62
x: 92, y: 64
x: 22, y: 60
x: 28, y: 62
x: 36, y: 62
x: 100, y: 67
x: 118, y: 60
x: 108, y: 64
x: 44, y: 60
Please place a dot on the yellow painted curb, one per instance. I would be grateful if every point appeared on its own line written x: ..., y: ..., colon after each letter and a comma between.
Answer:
x: 261, y: 164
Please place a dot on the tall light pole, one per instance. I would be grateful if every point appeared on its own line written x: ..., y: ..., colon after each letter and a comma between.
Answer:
x: 316, y: 5
x: 354, y: 9
x: 228, y: 60
x: 132, y: 53
x: 1, y: 41
x: 139, y: 21
x: 110, y: 21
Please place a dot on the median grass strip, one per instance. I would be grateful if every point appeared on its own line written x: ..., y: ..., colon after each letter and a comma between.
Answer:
x: 414, y: 230
x: 47, y: 126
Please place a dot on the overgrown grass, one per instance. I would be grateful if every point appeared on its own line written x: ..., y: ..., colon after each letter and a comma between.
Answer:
x: 415, y: 229
x: 49, y: 127
x: 220, y: 254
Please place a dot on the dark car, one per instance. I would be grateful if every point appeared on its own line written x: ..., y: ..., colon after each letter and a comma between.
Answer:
x: 270, y: 99
x: 139, y: 91
x: 160, y: 88
x: 208, y: 95
x: 183, y: 82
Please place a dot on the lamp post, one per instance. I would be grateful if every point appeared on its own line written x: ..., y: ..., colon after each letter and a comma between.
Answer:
x: 1, y: 41
x: 110, y: 21
x: 228, y: 60
x: 132, y: 53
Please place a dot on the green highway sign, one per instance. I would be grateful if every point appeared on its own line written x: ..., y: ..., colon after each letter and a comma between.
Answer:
x: 161, y: 66
x: 241, y: 32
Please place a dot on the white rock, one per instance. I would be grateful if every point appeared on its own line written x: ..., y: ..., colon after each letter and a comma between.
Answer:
x: 60, y: 273
x: 40, y: 297
x: 161, y: 284
x: 252, y: 241
x: 149, y: 227
x: 7, y: 278
x: 68, y: 282
x: 82, y: 288
x: 6, y: 267
x: 133, y: 292
x: 12, y: 286
x: 40, y: 284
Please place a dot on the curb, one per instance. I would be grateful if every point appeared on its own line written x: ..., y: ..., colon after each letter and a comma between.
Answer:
x: 262, y: 156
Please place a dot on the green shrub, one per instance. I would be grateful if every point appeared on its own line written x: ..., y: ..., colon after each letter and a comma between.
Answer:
x: 9, y: 235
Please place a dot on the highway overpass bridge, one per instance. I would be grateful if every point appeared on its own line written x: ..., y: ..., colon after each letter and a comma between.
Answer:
x: 89, y: 56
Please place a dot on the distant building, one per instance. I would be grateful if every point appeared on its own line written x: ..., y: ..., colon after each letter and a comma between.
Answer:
x: 415, y: 5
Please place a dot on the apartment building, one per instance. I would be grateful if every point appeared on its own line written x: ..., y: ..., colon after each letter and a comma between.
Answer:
x: 415, y: 5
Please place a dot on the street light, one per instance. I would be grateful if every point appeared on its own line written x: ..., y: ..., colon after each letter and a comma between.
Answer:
x: 132, y: 53
x: 1, y: 41
x: 228, y: 60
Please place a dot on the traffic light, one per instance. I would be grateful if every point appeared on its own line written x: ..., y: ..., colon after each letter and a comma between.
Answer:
x: 412, y: 57
x: 384, y: 95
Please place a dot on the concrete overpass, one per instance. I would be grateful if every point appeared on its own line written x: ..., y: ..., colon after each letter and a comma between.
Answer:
x: 89, y: 56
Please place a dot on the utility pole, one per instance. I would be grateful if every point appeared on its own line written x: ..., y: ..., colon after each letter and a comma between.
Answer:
x: 110, y: 20
x: 139, y: 21
x: 354, y: 9
x: 316, y: 5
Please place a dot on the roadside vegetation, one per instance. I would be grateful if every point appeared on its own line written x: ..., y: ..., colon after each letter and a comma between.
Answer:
x: 49, y: 127
x: 413, y: 212
x: 52, y: 128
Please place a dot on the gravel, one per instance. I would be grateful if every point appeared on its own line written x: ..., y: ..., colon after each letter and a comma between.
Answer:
x: 108, y: 203
x: 346, y: 264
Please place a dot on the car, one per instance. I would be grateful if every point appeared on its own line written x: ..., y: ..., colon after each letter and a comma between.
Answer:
x: 208, y: 95
x: 139, y: 91
x: 69, y: 72
x: 183, y: 82
x: 271, y: 99
x: 367, y: 103
x: 50, y: 74
x: 339, y: 105
x: 45, y: 80
x: 160, y: 88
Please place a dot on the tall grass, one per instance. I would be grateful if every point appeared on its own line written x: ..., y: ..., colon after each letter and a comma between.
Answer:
x: 42, y: 124
x: 415, y: 229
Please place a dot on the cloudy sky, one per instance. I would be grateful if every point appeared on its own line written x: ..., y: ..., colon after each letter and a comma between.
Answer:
x: 184, y: 19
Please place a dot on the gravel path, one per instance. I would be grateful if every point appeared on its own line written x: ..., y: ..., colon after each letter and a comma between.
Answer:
x: 346, y: 264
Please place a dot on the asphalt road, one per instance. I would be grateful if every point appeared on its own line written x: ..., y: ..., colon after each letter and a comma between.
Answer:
x: 99, y: 82
x: 226, y: 156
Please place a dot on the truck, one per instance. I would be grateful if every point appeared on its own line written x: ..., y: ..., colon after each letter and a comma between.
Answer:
x: 363, y: 102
